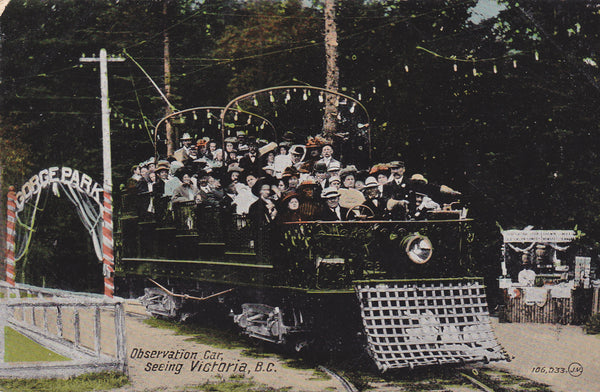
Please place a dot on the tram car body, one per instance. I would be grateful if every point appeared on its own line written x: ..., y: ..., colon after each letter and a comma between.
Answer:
x: 399, y: 289
x: 399, y: 284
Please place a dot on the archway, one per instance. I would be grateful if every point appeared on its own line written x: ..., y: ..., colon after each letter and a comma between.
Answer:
x: 23, y: 208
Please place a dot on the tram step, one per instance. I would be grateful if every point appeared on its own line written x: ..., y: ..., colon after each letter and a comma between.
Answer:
x: 240, y: 256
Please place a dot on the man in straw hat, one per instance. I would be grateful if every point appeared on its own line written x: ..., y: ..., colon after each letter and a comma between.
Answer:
x: 184, y: 152
x: 373, y: 207
x: 332, y: 211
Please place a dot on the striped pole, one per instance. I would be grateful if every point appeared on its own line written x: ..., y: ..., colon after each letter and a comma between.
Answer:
x: 108, y: 259
x: 11, y: 219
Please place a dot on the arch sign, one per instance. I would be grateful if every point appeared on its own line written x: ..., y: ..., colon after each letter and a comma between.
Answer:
x: 63, y: 175
x: 86, y: 194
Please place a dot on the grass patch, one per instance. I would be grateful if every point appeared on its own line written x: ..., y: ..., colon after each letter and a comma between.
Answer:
x: 19, y: 348
x: 83, y: 383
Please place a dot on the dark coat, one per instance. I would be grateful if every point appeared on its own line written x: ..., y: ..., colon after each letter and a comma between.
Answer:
x: 378, y: 211
x: 328, y: 215
x: 395, y: 191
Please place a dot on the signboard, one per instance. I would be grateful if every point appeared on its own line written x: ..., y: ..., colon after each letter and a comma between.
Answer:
x: 63, y: 175
x: 538, y: 235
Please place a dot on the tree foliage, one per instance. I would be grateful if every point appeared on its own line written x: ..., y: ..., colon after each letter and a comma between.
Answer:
x: 495, y: 99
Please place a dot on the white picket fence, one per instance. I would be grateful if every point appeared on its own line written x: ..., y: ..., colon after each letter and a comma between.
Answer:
x: 89, y: 329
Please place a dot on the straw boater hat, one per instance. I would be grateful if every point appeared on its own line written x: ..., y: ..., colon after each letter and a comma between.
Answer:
x: 418, y: 177
x: 334, y: 166
x: 186, y: 136
x: 234, y: 167
x: 371, y: 182
x: 267, y: 148
x: 329, y: 193
x: 162, y: 165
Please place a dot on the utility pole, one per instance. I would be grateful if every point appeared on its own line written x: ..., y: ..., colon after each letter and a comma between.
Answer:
x: 108, y: 260
x: 333, y: 71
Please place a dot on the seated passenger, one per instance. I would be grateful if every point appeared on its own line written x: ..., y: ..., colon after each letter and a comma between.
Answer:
x: 349, y: 196
x: 263, y: 210
x: 186, y: 191
x: 424, y: 194
x: 327, y: 156
x: 331, y: 210
x: 310, y: 203
x: 373, y: 207
x: 289, y: 207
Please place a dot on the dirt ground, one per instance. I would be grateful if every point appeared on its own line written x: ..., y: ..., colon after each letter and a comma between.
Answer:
x: 269, y: 370
x: 562, y: 356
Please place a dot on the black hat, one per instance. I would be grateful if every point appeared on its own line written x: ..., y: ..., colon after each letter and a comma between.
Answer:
x: 320, y: 167
x: 259, y: 184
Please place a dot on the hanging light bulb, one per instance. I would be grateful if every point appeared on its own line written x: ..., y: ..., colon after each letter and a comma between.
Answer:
x: 374, y: 90
x: 406, y: 68
x: 203, y: 130
x: 321, y: 97
x: 537, y: 56
x: 495, y: 69
x: 195, y: 115
x: 389, y: 83
x: 209, y: 121
x: 352, y: 107
x: 359, y: 96
x: 474, y: 71
x: 304, y: 95
x: 287, y: 96
x: 514, y: 63
x: 208, y: 114
x: 254, y: 100
x: 249, y: 120
x: 276, y: 115
x: 455, y: 67
x: 262, y: 126
x: 271, y: 97
x: 235, y: 116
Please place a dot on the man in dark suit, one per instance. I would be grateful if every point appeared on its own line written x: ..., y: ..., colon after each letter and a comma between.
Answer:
x: 250, y: 160
x: 374, y: 207
x: 332, y: 211
x: 397, y: 193
x: 397, y: 187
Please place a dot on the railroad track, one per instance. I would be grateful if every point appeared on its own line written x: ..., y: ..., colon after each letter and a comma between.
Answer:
x: 347, y: 385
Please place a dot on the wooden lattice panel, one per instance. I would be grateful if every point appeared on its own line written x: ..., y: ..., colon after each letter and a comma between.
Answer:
x: 428, y: 322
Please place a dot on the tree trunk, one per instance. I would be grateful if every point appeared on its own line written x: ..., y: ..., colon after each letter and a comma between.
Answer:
x: 333, y: 72
x: 167, y: 75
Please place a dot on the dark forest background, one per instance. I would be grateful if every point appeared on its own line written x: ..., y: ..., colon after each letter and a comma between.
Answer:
x: 496, y: 99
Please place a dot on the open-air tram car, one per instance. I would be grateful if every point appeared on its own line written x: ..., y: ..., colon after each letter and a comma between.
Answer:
x: 397, y: 287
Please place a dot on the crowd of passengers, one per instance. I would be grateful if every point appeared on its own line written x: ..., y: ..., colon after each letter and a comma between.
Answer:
x: 285, y: 182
